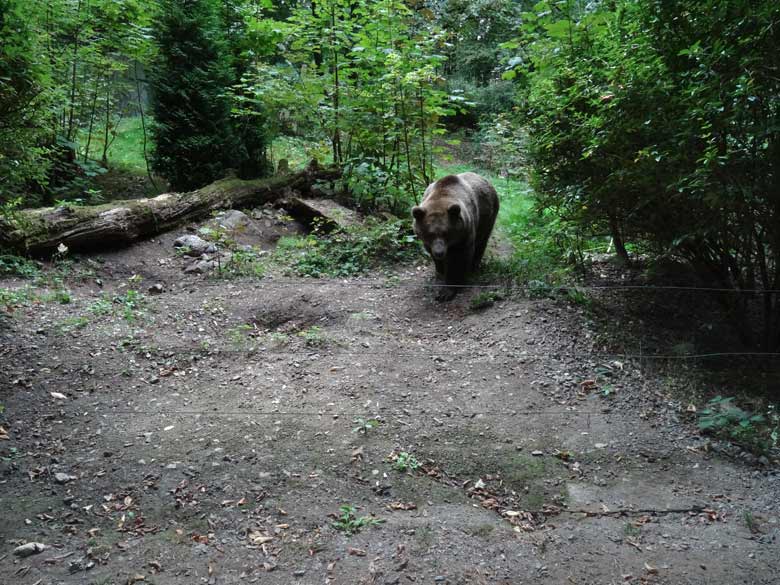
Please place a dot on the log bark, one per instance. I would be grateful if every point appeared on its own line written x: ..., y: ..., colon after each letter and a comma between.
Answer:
x: 119, y: 223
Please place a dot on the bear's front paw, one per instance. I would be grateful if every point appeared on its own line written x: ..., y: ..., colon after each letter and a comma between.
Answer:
x: 446, y: 293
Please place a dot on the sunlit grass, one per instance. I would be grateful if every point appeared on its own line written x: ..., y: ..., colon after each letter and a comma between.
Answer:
x: 126, y: 148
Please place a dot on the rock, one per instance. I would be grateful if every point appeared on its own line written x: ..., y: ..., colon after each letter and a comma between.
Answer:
x: 537, y: 453
x: 327, y: 214
x: 200, y: 266
x: 31, y: 548
x: 299, y: 573
x: 156, y: 289
x: 195, y: 245
x: 763, y: 460
x: 232, y: 220
x: 62, y: 478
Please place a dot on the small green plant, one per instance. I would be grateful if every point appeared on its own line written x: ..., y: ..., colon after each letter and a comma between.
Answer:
x: 242, y: 263
x: 239, y: 335
x: 753, y: 431
x: 278, y: 338
x: 405, y: 462
x: 73, y: 323
x: 348, y: 523
x: 18, y: 266
x: 313, y: 336
x: 58, y: 295
x: 130, y: 303
x: 538, y: 289
x: 13, y: 453
x: 578, y: 296
x: 485, y: 299
x: 631, y: 530
x: 365, y: 425
x: 12, y: 298
x: 100, y: 307
x: 751, y: 522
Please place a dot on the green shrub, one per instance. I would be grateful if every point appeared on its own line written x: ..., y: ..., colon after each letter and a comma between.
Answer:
x: 351, y: 251
x: 657, y: 123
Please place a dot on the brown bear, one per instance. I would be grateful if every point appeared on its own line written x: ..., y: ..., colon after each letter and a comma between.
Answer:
x: 454, y: 222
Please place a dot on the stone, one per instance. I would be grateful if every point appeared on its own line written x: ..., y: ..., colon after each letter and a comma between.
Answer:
x: 195, y: 245
x: 200, y: 266
x: 63, y: 478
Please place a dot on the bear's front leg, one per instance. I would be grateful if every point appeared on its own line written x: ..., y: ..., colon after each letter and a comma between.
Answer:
x: 457, y: 271
x: 442, y: 292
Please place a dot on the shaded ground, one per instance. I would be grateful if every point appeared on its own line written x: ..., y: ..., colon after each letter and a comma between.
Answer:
x: 209, y: 433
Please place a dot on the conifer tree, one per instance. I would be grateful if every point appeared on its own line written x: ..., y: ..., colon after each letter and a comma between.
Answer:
x: 193, y: 134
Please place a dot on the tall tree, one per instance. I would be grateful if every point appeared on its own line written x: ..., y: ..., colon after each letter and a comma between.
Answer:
x: 193, y: 134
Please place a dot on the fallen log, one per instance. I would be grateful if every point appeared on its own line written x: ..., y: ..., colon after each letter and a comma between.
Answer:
x: 118, y: 223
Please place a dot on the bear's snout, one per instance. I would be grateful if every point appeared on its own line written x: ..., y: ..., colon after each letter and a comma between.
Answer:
x: 438, y: 249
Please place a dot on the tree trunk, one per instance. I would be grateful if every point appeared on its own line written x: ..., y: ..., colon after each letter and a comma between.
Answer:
x: 617, y: 240
x: 115, y: 224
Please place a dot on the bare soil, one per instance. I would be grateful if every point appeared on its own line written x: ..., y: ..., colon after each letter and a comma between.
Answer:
x: 211, y: 434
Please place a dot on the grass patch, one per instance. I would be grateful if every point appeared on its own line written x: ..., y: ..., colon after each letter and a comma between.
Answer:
x: 125, y: 150
x: 298, y: 152
x: 350, y: 252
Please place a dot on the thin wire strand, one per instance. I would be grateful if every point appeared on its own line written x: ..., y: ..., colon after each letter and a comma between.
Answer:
x: 309, y: 413
x: 302, y: 355
x: 391, y: 284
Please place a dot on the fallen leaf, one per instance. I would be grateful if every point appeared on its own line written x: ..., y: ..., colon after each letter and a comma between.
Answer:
x: 401, y: 506
x: 259, y: 538
x: 650, y: 569
x: 356, y: 552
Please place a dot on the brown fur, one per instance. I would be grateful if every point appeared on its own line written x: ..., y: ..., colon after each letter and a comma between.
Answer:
x: 454, y: 222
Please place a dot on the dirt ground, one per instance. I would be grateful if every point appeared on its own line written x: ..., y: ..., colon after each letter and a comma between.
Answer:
x: 210, y: 434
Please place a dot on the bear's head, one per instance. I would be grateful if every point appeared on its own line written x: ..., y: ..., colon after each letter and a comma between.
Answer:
x: 439, y: 224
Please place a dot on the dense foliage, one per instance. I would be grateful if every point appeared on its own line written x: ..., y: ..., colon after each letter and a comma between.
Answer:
x: 657, y: 122
x: 68, y: 77
x: 360, y: 79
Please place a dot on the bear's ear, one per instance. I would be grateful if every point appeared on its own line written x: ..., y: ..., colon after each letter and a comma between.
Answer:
x: 453, y: 211
x: 418, y: 212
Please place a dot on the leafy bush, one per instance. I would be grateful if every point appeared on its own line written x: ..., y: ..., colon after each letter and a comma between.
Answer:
x: 754, y: 431
x: 18, y: 266
x: 658, y: 122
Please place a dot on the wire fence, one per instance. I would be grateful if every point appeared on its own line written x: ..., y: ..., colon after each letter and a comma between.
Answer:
x: 532, y: 288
